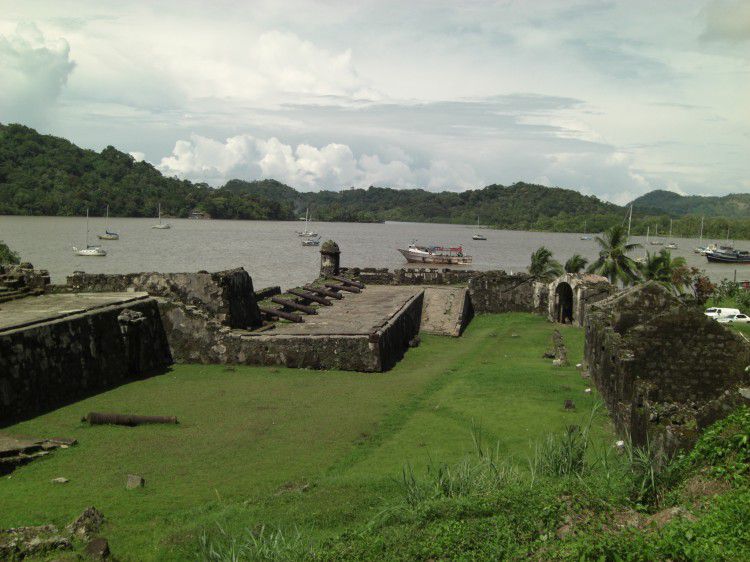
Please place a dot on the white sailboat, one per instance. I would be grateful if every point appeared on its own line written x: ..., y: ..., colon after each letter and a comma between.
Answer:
x: 656, y: 241
x: 307, y: 233
x: 107, y: 234
x: 161, y: 225
x: 671, y: 244
x: 478, y: 236
x: 585, y: 236
x: 89, y: 250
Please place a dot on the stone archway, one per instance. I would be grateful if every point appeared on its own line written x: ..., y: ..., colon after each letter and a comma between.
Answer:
x: 564, y: 303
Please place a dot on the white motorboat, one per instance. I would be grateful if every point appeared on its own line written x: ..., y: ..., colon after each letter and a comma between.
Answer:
x: 435, y: 254
x: 107, y: 234
x: 161, y: 225
x: 311, y: 242
x: 89, y: 250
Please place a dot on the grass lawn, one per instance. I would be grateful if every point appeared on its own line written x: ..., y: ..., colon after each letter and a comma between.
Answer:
x: 316, y: 451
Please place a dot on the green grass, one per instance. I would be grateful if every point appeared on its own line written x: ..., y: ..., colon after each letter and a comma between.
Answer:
x: 308, y: 451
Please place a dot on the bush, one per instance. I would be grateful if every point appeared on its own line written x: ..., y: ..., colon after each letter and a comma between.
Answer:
x: 8, y: 256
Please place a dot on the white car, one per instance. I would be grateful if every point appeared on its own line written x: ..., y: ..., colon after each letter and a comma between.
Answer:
x: 717, y: 313
x: 734, y: 318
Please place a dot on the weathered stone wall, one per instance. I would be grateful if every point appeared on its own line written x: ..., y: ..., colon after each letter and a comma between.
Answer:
x: 497, y: 291
x: 47, y: 365
x: 664, y: 369
x: 227, y: 296
x: 489, y: 291
x: 586, y: 290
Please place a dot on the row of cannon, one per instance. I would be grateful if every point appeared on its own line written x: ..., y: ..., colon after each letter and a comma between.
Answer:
x: 291, y: 309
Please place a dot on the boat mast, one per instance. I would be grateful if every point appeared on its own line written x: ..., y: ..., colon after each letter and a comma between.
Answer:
x: 630, y: 220
x: 87, y: 227
x: 700, y: 243
x: 645, y: 251
x: 670, y: 230
x: 159, y: 207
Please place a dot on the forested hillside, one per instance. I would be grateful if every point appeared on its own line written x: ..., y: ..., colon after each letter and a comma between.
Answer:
x: 47, y: 175
x: 734, y: 205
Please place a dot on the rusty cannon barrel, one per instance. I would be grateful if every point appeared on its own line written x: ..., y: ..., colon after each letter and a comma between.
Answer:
x: 309, y: 296
x: 131, y: 420
x: 347, y: 281
x: 324, y: 292
x: 281, y: 314
x: 294, y: 305
x: 342, y: 288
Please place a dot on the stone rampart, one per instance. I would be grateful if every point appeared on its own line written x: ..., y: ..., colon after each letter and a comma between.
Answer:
x: 226, y: 296
x: 664, y: 369
x: 46, y: 364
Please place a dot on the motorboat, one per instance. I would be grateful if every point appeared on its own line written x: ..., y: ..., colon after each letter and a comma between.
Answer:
x: 726, y: 254
x: 453, y: 255
x: 90, y: 250
x: 107, y: 234
x: 311, y: 242
x: 161, y: 225
x: 479, y: 237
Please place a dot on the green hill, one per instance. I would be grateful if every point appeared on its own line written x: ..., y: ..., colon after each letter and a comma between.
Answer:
x: 47, y: 175
x: 734, y: 205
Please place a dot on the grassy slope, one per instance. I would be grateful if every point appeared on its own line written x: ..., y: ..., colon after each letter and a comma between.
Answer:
x: 245, y: 433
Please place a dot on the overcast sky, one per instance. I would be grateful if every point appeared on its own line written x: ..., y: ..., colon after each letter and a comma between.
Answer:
x: 610, y: 98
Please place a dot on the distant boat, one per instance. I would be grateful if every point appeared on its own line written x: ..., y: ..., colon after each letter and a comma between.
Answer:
x: 727, y: 254
x: 161, y: 225
x: 307, y: 233
x: 89, y: 250
x: 701, y: 249
x: 107, y: 234
x: 585, y: 236
x: 435, y: 254
x: 478, y: 236
x: 656, y: 242
x: 671, y: 244
x: 311, y: 242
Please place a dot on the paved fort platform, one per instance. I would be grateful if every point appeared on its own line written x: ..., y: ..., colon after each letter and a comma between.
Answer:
x: 366, y: 331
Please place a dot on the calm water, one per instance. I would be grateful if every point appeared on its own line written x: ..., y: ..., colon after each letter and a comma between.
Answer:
x: 272, y: 252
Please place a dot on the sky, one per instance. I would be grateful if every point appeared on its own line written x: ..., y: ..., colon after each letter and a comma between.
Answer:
x: 611, y: 98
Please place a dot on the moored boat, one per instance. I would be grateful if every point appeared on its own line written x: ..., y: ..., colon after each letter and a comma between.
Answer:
x: 435, y: 254
x: 728, y: 255
x: 90, y: 250
x: 107, y: 234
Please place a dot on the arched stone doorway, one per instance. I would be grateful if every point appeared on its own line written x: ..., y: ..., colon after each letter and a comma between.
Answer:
x: 564, y: 303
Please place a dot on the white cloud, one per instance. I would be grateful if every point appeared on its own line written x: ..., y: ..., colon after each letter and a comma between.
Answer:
x: 305, y: 167
x: 33, y: 71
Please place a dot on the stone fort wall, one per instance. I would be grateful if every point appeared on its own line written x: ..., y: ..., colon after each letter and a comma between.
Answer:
x: 50, y: 364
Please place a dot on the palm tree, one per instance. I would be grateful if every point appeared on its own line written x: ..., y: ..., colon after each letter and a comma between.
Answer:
x: 614, y: 262
x: 576, y: 264
x: 665, y: 270
x: 543, y: 266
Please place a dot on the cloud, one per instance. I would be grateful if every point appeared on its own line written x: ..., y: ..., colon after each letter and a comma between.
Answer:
x: 305, y: 167
x: 727, y: 20
x: 33, y: 72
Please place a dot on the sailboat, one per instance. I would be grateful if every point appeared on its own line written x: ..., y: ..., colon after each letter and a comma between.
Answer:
x: 107, y: 234
x: 644, y: 257
x: 585, y: 236
x: 656, y: 241
x: 671, y: 245
x: 701, y: 249
x: 89, y: 250
x: 307, y: 233
x: 161, y: 225
x: 478, y: 236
